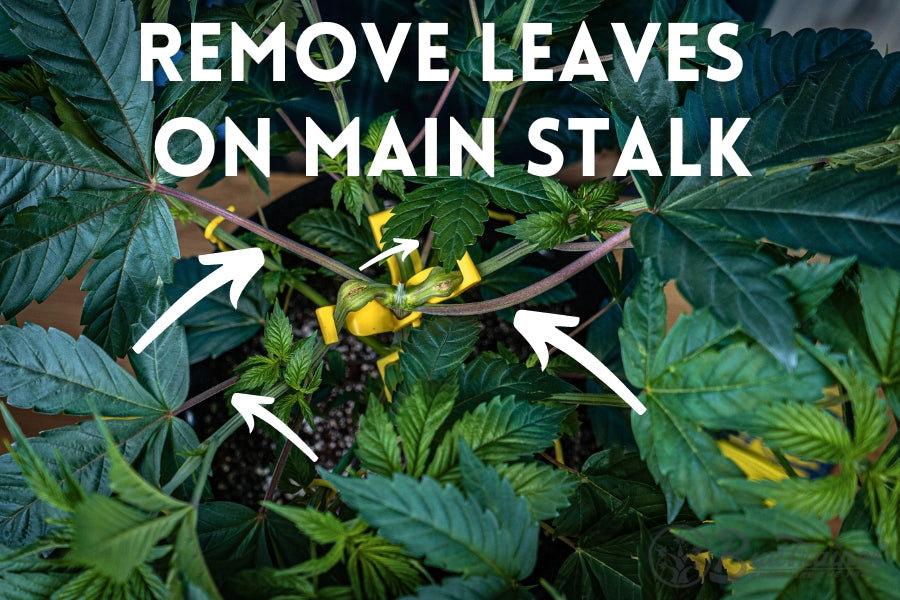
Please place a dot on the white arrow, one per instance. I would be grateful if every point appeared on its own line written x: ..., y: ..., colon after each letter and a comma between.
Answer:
x: 238, y: 266
x: 405, y: 246
x: 252, y: 406
x: 540, y: 329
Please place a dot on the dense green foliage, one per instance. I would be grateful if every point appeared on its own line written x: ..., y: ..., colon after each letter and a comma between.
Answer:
x: 451, y: 489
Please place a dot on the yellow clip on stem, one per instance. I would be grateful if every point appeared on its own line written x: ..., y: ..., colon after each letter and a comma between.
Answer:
x: 376, y: 224
x: 209, y: 232
x: 376, y: 318
x: 382, y: 364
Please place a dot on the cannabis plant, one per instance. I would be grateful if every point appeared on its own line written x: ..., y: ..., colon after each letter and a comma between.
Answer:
x: 462, y: 481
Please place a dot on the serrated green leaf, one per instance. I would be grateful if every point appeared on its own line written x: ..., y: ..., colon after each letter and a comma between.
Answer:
x: 213, y: 326
x: 482, y: 587
x: 52, y: 373
x: 56, y: 239
x: 824, y: 498
x: 801, y: 430
x: 545, y: 488
x: 30, y: 578
x: 470, y: 61
x: 684, y: 459
x: 113, y: 538
x: 437, y: 348
x: 377, y: 444
x: 811, y: 283
x: 39, y: 161
x: 91, y: 51
x: 714, y: 386
x: 612, y: 482
x: 849, y: 569
x: 513, y: 188
x: 783, y: 206
x: 278, y: 337
x: 880, y: 155
x: 450, y: 531
x: 337, y: 232
x: 610, y: 569
x: 502, y: 430
x: 485, y: 377
x: 22, y: 515
x: 376, y: 131
x: 717, y: 268
x: 459, y: 209
x: 321, y: 527
x: 162, y: 368
x: 485, y: 485
x: 201, y: 101
x: 420, y: 412
x: 544, y: 230
x: 879, y: 291
x: 643, y: 327
x: 756, y: 530
x: 127, y: 272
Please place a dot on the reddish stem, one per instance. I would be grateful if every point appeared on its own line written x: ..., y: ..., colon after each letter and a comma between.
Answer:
x: 536, y: 289
x: 205, y: 395
x: 437, y: 109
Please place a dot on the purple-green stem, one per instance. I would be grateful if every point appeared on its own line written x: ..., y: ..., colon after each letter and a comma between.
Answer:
x: 536, y: 289
x: 288, y: 244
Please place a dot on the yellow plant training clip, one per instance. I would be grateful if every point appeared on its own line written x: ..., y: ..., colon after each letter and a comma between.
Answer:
x: 382, y: 364
x: 377, y: 223
x: 374, y: 317
x: 209, y: 234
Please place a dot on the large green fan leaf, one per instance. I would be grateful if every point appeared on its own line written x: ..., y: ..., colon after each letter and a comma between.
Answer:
x: 610, y: 569
x: 502, y: 430
x: 484, y: 378
x: 22, y: 515
x: 348, y: 241
x: 459, y: 210
x: 437, y: 348
x: 451, y: 531
x: 848, y: 568
x: 53, y: 240
x: 129, y: 268
x: 420, y: 414
x: 92, y: 53
x: 838, y: 212
x: 719, y: 269
x: 52, y: 373
x: 643, y: 327
x: 880, y: 294
x: 30, y: 578
x: 39, y: 161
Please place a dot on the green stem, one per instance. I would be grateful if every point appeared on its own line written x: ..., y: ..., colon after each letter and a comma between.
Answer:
x: 536, y: 289
x: 505, y: 258
x: 345, y: 460
x: 311, y: 9
x: 210, y: 446
x: 490, y: 111
x: 523, y: 18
